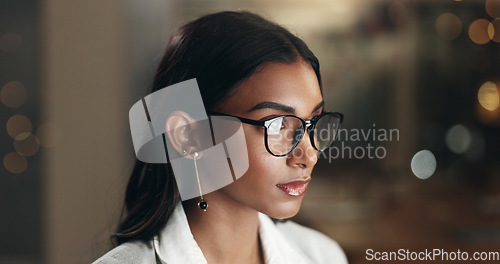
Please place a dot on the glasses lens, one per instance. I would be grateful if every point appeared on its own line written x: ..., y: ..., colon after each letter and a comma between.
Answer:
x: 326, y: 130
x: 283, y: 134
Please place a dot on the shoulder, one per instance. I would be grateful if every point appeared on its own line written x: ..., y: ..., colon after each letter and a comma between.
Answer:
x: 315, y: 245
x: 129, y: 252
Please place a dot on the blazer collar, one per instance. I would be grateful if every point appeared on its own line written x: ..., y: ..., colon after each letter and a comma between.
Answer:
x: 176, y: 244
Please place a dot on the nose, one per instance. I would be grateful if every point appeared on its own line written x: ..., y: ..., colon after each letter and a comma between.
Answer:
x: 304, y: 156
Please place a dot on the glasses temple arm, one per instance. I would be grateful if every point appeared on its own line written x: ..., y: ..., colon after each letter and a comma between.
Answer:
x: 242, y: 119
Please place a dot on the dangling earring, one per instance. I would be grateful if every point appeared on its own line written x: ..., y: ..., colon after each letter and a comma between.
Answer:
x: 202, y: 204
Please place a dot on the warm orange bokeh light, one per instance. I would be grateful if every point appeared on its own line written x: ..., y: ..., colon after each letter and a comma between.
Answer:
x: 494, y: 30
x: 492, y: 8
x: 15, y: 163
x: 448, y: 26
x: 478, y: 31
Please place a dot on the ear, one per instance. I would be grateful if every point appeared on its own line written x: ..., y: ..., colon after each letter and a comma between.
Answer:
x: 180, y: 128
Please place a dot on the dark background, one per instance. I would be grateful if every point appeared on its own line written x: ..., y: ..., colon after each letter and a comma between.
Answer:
x: 385, y: 64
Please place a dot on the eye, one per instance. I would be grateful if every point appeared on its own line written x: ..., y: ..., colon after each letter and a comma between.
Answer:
x: 315, y: 117
x: 317, y: 113
x: 284, y: 123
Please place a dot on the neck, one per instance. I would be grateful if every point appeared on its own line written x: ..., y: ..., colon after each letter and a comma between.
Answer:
x: 227, y: 232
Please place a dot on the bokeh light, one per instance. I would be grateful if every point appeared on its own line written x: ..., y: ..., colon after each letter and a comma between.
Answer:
x: 448, y: 26
x: 487, y: 117
x: 15, y: 163
x: 48, y: 134
x: 458, y: 139
x: 488, y: 96
x: 478, y: 31
x: 18, y: 124
x: 26, y: 144
x: 477, y: 147
x: 13, y: 94
x: 493, y: 8
x: 398, y: 13
x: 9, y: 42
x: 494, y: 27
x: 423, y: 164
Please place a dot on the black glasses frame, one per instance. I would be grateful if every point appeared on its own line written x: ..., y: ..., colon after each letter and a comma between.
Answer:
x: 308, y: 126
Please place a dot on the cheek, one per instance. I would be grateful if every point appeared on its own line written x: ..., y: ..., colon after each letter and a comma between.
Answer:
x: 257, y: 187
x: 261, y: 162
x: 263, y: 168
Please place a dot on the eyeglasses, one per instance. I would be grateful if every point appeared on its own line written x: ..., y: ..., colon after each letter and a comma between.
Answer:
x: 284, y: 133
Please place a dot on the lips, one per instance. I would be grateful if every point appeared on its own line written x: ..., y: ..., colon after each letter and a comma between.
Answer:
x: 294, y: 188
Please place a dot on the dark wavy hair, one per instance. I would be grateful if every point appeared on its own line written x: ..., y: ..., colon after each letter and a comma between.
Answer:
x: 220, y: 50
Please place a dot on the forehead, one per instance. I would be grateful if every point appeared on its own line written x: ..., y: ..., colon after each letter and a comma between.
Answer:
x: 292, y: 84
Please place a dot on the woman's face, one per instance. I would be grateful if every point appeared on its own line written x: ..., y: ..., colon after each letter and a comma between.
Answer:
x: 268, y: 185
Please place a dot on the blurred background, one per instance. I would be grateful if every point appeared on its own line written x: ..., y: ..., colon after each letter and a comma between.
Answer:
x: 425, y: 72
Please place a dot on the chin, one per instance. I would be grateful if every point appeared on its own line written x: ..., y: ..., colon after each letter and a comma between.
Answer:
x: 284, y: 210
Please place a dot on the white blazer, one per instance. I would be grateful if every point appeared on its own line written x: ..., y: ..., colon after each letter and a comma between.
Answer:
x: 282, y: 243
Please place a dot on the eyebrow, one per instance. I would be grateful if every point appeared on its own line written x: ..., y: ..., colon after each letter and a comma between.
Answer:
x: 321, y: 104
x: 281, y: 107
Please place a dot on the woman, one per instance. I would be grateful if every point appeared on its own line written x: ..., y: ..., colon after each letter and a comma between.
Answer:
x: 261, y: 74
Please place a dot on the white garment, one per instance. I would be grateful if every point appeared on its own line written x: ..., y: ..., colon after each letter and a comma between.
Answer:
x: 287, y: 243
